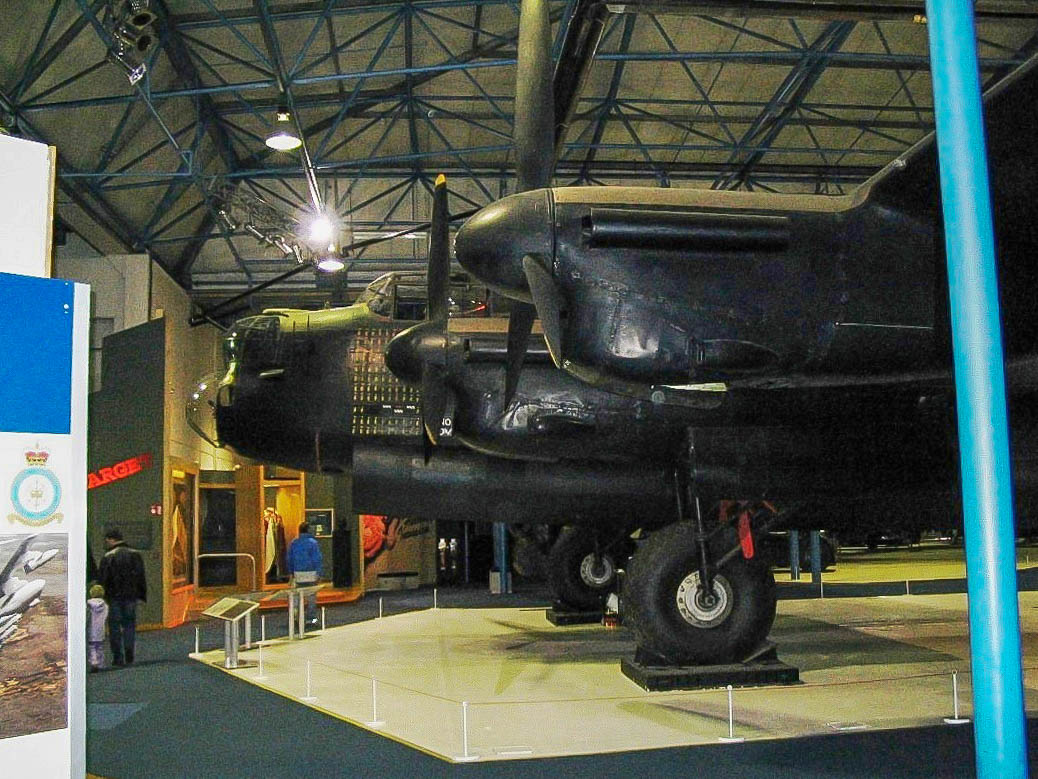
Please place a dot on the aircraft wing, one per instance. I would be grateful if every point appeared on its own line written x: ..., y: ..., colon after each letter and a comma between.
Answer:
x: 7, y: 626
x: 1021, y: 375
x: 34, y: 560
x: 18, y: 559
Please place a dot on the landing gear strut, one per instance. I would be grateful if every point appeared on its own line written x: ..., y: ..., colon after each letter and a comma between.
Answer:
x: 692, y: 597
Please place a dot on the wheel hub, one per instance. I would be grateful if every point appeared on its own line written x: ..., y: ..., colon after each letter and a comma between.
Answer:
x: 701, y: 608
x: 597, y: 570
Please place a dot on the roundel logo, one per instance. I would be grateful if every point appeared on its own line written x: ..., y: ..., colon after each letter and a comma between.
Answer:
x: 35, y: 492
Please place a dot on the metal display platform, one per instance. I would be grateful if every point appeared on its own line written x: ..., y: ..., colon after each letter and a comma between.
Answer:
x: 560, y: 616
x: 479, y: 684
x: 762, y: 668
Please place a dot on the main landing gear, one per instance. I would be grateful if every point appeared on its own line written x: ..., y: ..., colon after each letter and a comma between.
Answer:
x: 696, y: 595
x: 583, y: 565
x: 679, y: 620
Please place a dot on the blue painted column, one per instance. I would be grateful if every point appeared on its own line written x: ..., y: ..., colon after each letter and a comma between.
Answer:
x: 794, y: 555
x: 816, y: 556
x: 502, y: 562
x: 981, y: 394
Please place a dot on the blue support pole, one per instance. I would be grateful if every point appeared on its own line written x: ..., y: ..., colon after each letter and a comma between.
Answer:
x: 794, y: 555
x: 987, y: 493
x: 816, y: 557
x: 501, y: 562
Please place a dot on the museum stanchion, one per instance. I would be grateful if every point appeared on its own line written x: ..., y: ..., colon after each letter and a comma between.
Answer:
x: 731, y: 738
x: 374, y: 722
x: 261, y: 675
x: 955, y: 719
x: 309, y: 697
x: 465, y: 756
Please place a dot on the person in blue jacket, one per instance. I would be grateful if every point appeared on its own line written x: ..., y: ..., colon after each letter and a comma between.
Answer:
x: 304, y: 563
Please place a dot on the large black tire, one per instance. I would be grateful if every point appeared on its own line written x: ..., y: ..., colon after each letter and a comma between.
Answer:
x: 579, y: 578
x: 659, y: 602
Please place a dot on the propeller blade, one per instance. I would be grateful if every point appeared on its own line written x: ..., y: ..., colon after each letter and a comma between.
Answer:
x: 534, y: 102
x: 520, y: 324
x: 549, y: 302
x: 435, y: 400
x: 439, y: 253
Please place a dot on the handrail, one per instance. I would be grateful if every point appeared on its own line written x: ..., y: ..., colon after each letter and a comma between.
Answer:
x: 252, y: 559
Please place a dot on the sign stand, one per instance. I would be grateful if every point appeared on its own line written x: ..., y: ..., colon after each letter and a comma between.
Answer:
x: 231, y: 611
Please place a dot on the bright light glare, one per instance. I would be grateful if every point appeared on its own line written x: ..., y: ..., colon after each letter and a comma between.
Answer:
x: 281, y: 140
x: 321, y: 229
x: 330, y: 264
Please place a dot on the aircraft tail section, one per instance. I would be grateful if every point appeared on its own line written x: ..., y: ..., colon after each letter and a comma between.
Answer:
x: 911, y: 185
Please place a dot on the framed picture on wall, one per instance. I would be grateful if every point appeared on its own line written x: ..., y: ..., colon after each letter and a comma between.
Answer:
x: 321, y: 521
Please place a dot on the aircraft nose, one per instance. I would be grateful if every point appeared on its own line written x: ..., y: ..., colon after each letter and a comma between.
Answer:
x: 491, y: 245
x: 415, y: 347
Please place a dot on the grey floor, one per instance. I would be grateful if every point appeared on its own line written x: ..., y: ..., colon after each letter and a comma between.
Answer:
x: 171, y: 716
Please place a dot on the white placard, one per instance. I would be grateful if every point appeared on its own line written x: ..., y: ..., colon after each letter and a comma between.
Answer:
x: 26, y: 199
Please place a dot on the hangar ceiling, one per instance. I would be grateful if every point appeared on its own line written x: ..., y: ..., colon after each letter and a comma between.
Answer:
x: 776, y: 95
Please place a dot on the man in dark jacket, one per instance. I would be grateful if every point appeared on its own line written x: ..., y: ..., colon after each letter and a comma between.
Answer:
x: 122, y: 576
x: 304, y: 563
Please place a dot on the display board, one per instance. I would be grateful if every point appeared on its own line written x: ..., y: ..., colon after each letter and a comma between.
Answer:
x: 231, y: 609
x: 395, y: 546
x: 43, y: 390
x: 26, y: 206
x: 321, y: 521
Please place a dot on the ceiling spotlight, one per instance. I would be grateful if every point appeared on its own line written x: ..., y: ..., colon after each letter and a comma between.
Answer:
x: 321, y: 230
x: 283, y: 138
x: 330, y: 264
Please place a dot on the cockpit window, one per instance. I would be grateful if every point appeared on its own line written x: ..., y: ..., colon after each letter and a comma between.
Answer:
x: 231, y: 344
x: 256, y: 342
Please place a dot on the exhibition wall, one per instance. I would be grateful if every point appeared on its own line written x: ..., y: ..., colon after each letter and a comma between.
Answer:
x: 126, y: 427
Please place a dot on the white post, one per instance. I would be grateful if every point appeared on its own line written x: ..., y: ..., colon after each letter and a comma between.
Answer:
x: 821, y: 587
x: 263, y: 627
x: 375, y: 721
x: 322, y: 618
x: 956, y: 720
x: 731, y: 738
x: 907, y: 591
x: 380, y: 608
x: 465, y: 757
x: 261, y: 676
x: 248, y: 630
x: 309, y: 695
x: 291, y: 615
x: 435, y: 606
x: 197, y: 631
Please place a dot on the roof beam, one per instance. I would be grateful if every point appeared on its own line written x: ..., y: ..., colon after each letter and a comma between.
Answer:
x: 38, y: 66
x: 847, y: 10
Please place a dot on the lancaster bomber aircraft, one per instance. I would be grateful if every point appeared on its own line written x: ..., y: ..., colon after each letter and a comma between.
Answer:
x: 828, y: 316
x: 698, y: 347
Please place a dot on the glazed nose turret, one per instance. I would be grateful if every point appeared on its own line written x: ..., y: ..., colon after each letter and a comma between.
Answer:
x: 491, y: 245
